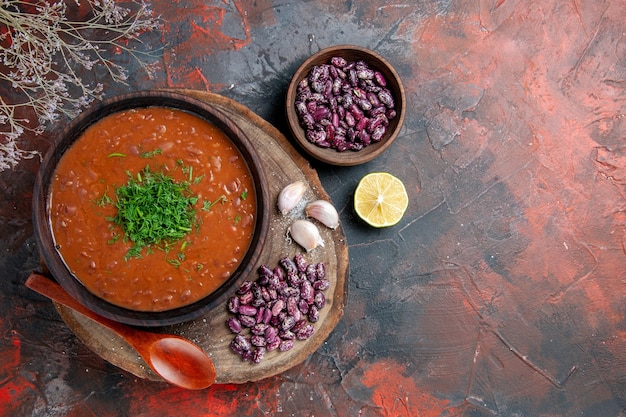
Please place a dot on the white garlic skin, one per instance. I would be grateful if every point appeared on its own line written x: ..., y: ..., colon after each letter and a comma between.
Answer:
x: 306, y: 234
x: 324, y: 212
x: 290, y: 196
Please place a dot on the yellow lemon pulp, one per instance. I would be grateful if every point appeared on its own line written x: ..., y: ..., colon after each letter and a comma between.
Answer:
x: 380, y: 199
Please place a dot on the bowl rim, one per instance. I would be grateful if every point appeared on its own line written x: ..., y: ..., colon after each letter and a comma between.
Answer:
x: 54, y: 263
x: 328, y: 155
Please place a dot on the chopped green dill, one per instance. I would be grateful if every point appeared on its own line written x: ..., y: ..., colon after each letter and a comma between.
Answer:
x: 104, y: 200
x: 154, y: 210
x: 114, y: 239
x: 177, y: 261
x: 244, y: 195
x: 151, y: 154
x: 207, y: 205
x: 237, y: 219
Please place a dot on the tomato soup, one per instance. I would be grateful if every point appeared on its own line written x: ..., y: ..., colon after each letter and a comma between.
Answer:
x: 120, y: 149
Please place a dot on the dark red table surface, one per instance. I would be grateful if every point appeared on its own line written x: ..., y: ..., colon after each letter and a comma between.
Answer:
x: 502, y: 290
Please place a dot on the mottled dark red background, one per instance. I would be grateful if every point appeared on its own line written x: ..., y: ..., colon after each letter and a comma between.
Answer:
x: 501, y: 292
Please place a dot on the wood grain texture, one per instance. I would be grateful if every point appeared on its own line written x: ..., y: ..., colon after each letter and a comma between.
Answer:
x: 283, y: 165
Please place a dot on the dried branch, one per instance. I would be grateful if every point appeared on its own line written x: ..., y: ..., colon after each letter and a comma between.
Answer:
x: 42, y: 53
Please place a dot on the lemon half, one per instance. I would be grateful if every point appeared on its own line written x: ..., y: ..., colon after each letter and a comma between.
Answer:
x: 380, y: 199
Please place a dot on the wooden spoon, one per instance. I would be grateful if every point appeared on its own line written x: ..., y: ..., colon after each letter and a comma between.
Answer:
x: 176, y: 359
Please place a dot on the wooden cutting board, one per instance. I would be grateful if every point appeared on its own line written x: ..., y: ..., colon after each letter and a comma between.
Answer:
x: 283, y: 165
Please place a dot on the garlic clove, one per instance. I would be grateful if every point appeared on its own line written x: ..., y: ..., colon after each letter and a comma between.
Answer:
x: 324, y: 212
x: 306, y: 234
x: 290, y: 196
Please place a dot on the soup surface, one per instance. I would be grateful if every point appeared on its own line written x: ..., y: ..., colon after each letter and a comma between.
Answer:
x: 119, y: 150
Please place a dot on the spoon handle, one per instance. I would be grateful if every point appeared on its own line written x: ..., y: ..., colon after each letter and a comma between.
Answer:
x: 49, y: 288
x: 175, y: 359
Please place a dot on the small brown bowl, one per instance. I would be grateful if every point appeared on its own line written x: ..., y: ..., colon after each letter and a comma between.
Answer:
x: 43, y: 229
x: 351, y: 54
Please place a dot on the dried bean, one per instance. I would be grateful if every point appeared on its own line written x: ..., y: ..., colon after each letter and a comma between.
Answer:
x: 242, y: 342
x: 258, y: 302
x: 247, y: 321
x: 319, y: 300
x: 273, y: 344
x: 303, y: 306
x: 288, y: 264
x: 305, y: 332
x: 321, y: 284
x: 376, y: 111
x: 301, y: 107
x: 245, y: 287
x: 259, y: 315
x: 373, y: 99
x: 234, y: 325
x: 314, y: 314
x: 350, y: 119
x: 279, y: 307
x: 292, y: 305
x: 356, y: 146
x: 267, y: 316
x: 246, y: 298
x: 378, y: 133
x: 362, y: 124
x: 233, y: 304
x: 287, y: 323
x: 290, y: 291
x: 271, y: 333
x: 311, y: 272
x: 265, y: 293
x: 340, y: 94
x: 356, y: 111
x: 316, y: 136
x: 320, y: 269
x: 258, y: 354
x: 285, y: 345
x: 299, y: 325
x: 306, y: 292
x: 287, y: 335
x: 385, y: 97
x: 380, y: 79
x: 257, y: 340
x: 247, y: 310
x: 338, y: 61
x: 353, y: 77
x: 259, y: 329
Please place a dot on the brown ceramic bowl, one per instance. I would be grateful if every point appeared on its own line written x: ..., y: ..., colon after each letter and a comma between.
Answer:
x: 41, y: 210
x: 351, y: 54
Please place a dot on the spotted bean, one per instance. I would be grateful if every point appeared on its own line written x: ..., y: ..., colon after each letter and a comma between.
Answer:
x: 339, y: 94
x: 277, y: 309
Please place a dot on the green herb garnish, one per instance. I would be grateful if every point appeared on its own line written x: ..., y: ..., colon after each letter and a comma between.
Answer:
x: 104, y: 200
x: 116, y: 154
x: 207, y: 205
x: 154, y: 210
x: 151, y: 154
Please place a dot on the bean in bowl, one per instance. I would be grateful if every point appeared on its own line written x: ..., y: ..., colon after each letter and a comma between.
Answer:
x: 344, y: 105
